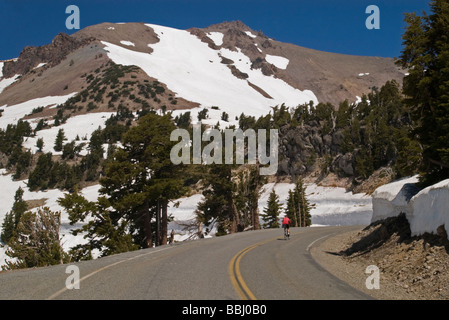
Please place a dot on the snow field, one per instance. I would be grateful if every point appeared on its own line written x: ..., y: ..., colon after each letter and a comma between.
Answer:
x: 197, y: 74
x: 11, y: 114
x: 81, y: 126
x: 333, y: 206
x: 40, y: 65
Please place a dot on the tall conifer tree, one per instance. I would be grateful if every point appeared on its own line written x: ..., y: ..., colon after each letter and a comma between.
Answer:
x: 426, y: 56
x: 271, y: 212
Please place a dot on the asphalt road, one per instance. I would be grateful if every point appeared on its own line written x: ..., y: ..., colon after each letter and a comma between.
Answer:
x: 250, y: 265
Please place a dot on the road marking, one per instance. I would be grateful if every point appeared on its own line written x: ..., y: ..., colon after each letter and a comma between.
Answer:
x: 312, y: 243
x: 236, y: 277
x: 56, y: 294
x: 237, y: 281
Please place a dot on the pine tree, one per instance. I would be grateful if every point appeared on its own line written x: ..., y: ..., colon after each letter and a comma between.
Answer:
x: 99, y: 227
x: 298, y: 206
x: 8, y: 227
x: 303, y: 204
x: 36, y: 241
x: 219, y: 199
x: 19, y: 207
x: 38, y: 178
x: 59, y: 141
x: 290, y: 210
x: 12, y: 218
x: 40, y: 144
x: 141, y: 179
x: 425, y: 55
x: 247, y: 193
x: 271, y: 212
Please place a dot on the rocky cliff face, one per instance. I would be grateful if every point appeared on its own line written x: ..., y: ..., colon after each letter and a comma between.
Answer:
x: 300, y: 147
x: 51, y: 54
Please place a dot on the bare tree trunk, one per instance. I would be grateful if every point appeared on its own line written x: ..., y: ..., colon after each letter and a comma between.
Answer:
x: 164, y: 222
x: 298, y: 215
x: 255, y: 216
x: 158, y: 223
x: 147, y: 225
x: 233, y: 216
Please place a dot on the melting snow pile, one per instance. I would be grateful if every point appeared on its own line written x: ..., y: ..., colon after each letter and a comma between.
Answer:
x: 426, y: 209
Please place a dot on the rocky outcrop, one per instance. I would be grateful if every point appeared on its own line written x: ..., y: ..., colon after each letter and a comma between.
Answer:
x: 301, y: 146
x: 51, y: 54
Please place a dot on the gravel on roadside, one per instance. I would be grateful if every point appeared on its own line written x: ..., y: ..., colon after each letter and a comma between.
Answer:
x: 408, y: 268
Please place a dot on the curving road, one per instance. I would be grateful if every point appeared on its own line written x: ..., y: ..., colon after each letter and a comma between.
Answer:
x: 249, y: 265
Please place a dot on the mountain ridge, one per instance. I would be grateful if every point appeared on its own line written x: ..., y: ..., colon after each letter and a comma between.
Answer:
x: 332, y: 77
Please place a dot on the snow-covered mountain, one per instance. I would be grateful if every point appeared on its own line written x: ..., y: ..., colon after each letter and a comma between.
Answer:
x: 224, y: 68
x: 226, y: 65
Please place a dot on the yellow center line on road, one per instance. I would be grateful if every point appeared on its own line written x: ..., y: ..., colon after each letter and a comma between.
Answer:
x: 237, y: 281
x: 236, y: 277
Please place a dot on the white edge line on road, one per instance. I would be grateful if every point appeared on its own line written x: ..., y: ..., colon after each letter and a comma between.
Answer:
x: 104, y: 268
x: 313, y: 242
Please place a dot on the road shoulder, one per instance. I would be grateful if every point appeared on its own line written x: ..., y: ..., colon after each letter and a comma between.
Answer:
x: 409, y: 268
x: 327, y: 254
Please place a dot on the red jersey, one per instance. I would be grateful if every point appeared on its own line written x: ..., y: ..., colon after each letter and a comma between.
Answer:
x: 286, y: 220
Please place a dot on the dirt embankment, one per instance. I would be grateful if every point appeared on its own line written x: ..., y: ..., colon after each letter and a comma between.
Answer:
x: 410, y: 268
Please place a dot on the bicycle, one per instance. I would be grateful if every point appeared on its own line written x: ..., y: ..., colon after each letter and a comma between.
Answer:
x: 286, y: 234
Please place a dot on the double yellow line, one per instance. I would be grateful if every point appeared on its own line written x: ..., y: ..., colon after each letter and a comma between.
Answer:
x: 236, y: 277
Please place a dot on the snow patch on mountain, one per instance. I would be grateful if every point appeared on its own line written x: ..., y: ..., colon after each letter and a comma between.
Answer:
x: 250, y: 34
x: 81, y: 127
x: 216, y: 37
x: 40, y: 65
x: 11, y: 114
x: 127, y: 43
x: 7, y: 82
x: 277, y: 61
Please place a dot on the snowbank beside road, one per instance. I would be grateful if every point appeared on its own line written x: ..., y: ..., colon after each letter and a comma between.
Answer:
x: 430, y: 209
x: 425, y: 210
x: 393, y: 198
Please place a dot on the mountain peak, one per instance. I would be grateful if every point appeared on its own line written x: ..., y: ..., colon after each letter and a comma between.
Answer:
x: 236, y: 24
x: 230, y: 25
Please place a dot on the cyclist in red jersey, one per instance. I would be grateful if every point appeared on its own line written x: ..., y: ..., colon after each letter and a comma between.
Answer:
x: 286, y: 224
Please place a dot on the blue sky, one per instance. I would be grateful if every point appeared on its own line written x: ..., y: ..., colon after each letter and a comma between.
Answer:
x: 328, y: 25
